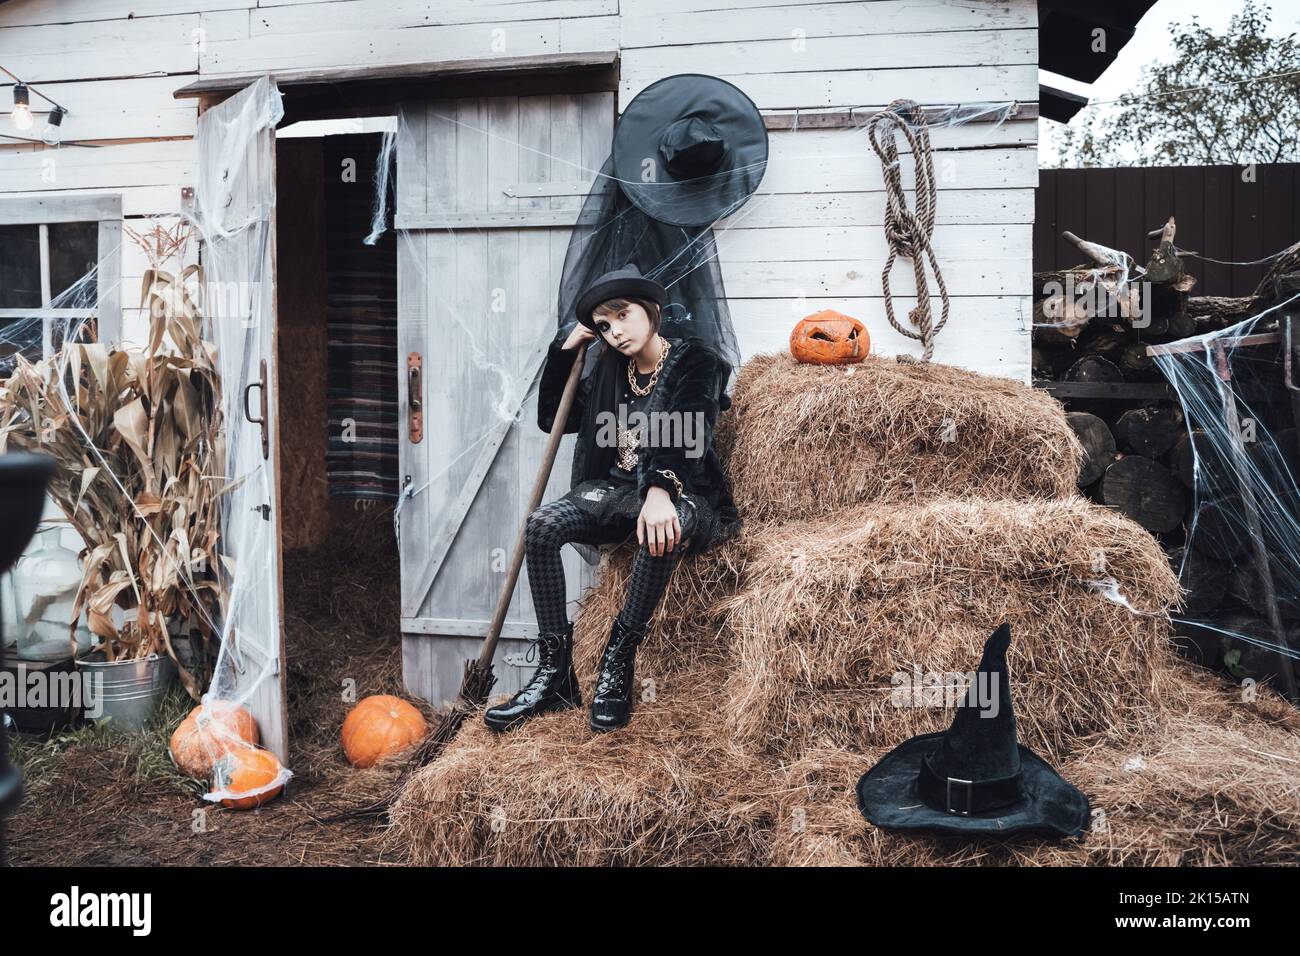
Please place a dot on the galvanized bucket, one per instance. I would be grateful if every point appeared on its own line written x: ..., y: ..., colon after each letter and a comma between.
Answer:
x: 126, y: 692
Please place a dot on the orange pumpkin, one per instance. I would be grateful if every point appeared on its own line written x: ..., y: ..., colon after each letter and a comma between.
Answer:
x: 829, y: 338
x: 210, y: 731
x: 248, y: 776
x: 379, y: 726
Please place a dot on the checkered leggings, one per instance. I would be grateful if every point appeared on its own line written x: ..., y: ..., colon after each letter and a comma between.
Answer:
x: 560, y: 521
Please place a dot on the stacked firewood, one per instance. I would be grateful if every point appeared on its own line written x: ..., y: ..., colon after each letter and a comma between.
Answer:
x: 1093, y: 324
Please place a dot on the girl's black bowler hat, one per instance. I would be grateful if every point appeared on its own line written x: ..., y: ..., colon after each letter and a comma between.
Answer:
x: 624, y: 283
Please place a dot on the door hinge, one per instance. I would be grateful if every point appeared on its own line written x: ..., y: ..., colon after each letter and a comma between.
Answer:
x: 524, y: 658
x: 265, y: 509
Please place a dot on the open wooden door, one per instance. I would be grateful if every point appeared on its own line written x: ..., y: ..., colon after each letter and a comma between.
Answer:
x: 234, y: 213
x: 488, y: 190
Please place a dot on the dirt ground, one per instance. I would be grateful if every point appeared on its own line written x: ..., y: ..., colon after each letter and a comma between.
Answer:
x: 95, y: 798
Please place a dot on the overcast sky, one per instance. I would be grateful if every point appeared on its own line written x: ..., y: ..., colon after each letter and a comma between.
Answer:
x: 1153, y: 43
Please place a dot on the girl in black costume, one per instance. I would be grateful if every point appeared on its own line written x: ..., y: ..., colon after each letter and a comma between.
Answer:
x: 644, y: 464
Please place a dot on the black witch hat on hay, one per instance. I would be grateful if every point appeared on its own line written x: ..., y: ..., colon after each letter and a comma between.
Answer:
x: 974, y: 779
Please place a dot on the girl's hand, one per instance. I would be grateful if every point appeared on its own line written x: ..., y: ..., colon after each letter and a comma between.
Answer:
x: 658, y: 525
x: 579, y: 335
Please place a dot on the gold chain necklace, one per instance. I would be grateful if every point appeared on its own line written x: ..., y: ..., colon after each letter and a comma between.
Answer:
x: 649, y: 386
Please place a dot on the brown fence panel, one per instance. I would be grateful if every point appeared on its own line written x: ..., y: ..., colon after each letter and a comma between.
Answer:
x: 1233, y: 213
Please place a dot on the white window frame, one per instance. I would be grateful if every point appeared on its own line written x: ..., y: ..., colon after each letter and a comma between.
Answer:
x: 41, y: 211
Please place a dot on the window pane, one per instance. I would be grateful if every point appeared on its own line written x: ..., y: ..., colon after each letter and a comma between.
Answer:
x: 77, y: 328
x: 74, y: 251
x: 20, y: 267
x: 18, y: 335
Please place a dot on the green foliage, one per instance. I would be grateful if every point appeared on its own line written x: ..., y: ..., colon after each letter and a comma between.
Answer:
x: 1196, y: 110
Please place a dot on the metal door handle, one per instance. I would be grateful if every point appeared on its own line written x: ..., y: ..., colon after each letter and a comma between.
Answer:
x: 415, y: 397
x: 260, y: 385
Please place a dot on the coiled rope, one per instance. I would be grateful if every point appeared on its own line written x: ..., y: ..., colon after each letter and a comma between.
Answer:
x: 908, y: 231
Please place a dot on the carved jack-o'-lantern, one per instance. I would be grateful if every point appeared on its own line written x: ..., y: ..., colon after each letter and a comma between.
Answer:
x: 829, y: 338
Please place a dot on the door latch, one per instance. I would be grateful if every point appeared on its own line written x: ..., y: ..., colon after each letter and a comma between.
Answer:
x: 260, y: 385
x: 415, y: 397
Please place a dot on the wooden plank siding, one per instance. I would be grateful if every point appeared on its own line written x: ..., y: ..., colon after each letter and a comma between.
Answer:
x: 115, y: 63
x: 1221, y: 211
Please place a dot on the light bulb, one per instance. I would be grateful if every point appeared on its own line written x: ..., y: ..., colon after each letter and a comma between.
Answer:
x: 22, y: 114
x: 53, y: 131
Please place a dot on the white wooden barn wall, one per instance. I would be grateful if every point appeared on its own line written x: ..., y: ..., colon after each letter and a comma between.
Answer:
x: 812, y: 239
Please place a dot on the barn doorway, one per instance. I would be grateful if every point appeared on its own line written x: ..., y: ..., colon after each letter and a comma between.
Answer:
x: 336, y: 349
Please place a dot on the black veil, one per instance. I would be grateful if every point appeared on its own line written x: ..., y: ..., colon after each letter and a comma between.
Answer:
x: 612, y: 232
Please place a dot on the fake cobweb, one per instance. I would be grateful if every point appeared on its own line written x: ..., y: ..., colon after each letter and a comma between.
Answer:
x: 1240, y: 566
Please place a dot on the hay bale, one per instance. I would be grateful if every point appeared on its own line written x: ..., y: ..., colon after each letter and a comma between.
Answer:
x: 1213, y: 785
x: 871, y: 545
x: 679, y: 786
x: 686, y: 781
x: 833, y: 609
x: 804, y: 441
x: 660, y: 791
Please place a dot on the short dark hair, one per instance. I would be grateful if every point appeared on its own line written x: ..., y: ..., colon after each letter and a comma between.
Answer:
x: 613, y: 305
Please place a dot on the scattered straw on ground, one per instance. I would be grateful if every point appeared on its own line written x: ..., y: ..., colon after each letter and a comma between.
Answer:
x: 96, y: 798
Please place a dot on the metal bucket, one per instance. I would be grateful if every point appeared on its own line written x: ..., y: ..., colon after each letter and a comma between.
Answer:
x: 127, y: 692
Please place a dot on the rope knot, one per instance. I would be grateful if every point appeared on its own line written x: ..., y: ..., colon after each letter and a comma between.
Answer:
x: 908, y: 232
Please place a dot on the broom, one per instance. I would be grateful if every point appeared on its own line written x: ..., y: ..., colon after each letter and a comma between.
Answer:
x: 479, y: 678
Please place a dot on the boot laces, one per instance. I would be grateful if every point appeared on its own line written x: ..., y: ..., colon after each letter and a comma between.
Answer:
x: 614, y: 670
x: 543, y: 649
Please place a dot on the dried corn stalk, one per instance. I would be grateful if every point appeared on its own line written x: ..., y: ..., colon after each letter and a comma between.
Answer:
x: 136, y: 436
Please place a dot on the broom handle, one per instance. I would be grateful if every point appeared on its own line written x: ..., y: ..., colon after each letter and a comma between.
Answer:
x: 539, y: 488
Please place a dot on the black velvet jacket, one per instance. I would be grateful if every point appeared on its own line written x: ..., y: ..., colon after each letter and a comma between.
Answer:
x: 691, y: 381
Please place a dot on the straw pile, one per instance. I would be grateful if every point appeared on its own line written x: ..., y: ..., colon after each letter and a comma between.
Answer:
x: 840, y: 615
x: 1215, y: 786
x: 805, y: 440
x: 661, y: 790
x: 771, y: 659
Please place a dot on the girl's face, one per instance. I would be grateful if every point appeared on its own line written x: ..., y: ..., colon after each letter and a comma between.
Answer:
x: 627, y: 329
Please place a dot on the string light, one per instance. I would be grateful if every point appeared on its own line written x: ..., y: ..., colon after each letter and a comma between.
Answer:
x: 22, y: 114
x: 53, y: 123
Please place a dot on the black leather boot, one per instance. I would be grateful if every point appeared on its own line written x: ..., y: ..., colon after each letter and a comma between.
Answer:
x: 554, y: 686
x: 611, y: 705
